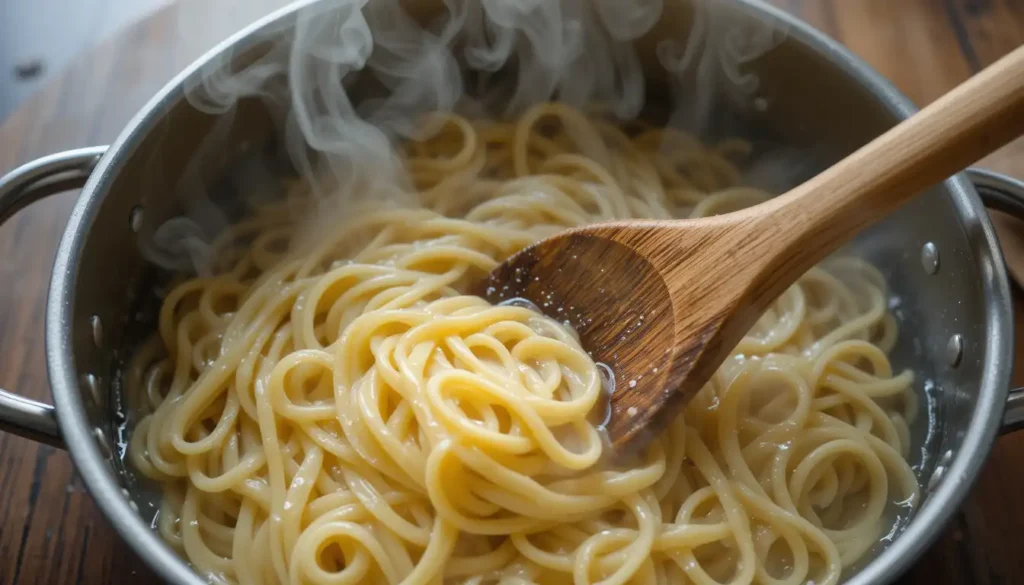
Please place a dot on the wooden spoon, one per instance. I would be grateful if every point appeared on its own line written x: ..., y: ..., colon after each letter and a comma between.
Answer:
x: 663, y: 302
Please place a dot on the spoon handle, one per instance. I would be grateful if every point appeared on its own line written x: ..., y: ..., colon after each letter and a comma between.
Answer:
x: 976, y: 118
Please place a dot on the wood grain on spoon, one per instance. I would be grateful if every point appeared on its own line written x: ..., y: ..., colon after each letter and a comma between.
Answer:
x: 663, y: 302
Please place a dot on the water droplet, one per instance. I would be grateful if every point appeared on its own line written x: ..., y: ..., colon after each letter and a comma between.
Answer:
x: 521, y: 303
x: 607, y: 377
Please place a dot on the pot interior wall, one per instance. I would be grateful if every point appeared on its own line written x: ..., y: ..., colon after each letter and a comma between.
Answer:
x: 810, y: 111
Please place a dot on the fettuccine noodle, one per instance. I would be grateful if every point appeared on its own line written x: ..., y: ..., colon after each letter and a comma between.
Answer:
x: 344, y: 412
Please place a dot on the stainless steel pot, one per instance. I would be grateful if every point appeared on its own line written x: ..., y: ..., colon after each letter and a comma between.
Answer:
x: 940, y: 254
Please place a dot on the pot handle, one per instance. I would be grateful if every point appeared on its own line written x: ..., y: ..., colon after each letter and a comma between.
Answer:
x: 1005, y: 194
x: 22, y: 186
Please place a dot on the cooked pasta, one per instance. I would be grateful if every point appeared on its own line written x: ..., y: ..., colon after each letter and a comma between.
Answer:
x: 337, y: 409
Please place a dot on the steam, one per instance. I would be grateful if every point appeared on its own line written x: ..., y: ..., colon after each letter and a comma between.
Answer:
x: 347, y: 79
x: 710, y: 64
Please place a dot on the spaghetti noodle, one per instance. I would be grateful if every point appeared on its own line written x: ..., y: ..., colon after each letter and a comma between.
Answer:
x: 336, y: 409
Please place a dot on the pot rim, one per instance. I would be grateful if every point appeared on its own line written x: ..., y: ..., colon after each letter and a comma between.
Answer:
x: 894, y: 560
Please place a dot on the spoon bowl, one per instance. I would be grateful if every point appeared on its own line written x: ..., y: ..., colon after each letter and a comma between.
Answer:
x: 577, y: 278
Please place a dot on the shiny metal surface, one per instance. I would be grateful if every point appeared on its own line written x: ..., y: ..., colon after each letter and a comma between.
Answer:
x: 29, y: 419
x: 1013, y: 418
x: 100, y: 273
x: 20, y: 187
x: 930, y: 258
x: 45, y: 176
x: 1007, y: 195
x: 955, y: 349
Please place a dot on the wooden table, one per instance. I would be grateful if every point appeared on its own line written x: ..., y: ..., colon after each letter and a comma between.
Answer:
x: 50, y: 530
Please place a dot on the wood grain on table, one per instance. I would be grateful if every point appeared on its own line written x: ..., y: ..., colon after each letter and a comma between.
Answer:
x: 51, y: 532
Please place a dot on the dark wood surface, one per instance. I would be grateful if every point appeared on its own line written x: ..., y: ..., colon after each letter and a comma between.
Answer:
x: 50, y: 530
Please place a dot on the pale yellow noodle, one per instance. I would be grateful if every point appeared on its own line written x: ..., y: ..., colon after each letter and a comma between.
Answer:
x: 334, y: 408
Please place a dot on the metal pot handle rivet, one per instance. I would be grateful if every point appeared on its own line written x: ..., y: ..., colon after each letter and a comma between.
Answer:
x: 1005, y: 194
x: 24, y: 185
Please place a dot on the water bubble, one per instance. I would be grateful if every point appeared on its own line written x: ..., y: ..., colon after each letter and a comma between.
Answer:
x: 607, y: 377
x: 521, y: 303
